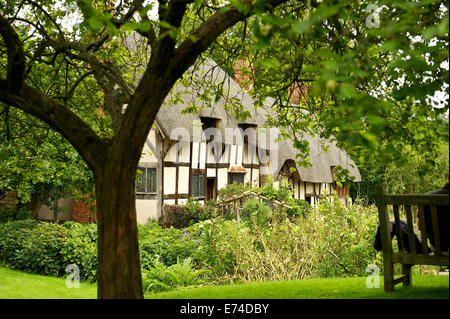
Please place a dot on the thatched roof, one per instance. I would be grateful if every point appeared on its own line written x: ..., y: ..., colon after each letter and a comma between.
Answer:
x: 170, y: 118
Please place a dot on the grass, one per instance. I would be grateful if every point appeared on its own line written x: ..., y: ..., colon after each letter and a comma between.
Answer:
x: 20, y: 285
x: 424, y: 287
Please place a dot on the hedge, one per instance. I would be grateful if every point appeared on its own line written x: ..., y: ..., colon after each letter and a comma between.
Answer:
x: 182, y: 216
x: 47, y: 248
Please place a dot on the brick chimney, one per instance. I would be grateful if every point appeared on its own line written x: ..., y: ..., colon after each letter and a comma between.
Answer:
x: 242, y: 68
x: 298, y: 92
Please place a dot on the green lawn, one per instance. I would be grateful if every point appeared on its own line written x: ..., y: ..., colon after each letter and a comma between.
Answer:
x: 19, y: 285
x: 436, y: 287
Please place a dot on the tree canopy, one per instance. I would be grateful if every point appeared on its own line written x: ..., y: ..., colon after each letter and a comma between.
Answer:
x: 370, y: 75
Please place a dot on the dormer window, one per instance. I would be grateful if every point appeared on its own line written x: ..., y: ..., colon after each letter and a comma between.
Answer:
x: 210, y: 122
x: 248, y: 130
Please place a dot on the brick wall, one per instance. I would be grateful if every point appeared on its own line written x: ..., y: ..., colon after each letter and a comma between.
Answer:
x: 81, y: 213
x: 241, y: 76
x: 298, y: 92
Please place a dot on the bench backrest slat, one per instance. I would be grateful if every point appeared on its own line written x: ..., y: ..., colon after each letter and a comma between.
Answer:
x: 434, y: 224
x: 406, y: 202
x: 410, y: 225
x: 423, y: 231
x: 398, y: 231
x: 416, y: 200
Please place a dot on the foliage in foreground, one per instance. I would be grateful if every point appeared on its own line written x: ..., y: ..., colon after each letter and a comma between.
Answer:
x: 8, y: 214
x: 331, y: 240
x: 47, y: 248
x: 159, y: 277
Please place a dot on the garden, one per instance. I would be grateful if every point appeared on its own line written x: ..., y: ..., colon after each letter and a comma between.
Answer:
x: 198, y: 247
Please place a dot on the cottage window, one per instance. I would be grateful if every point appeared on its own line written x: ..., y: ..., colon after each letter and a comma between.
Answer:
x: 146, y: 180
x: 197, y: 186
x: 248, y: 131
x: 236, y: 178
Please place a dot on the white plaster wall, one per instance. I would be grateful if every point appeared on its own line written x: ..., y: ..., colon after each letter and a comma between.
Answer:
x: 171, y: 154
x: 202, y: 156
x: 331, y: 188
x: 309, y: 188
x: 255, y: 156
x: 195, y: 160
x: 302, y: 191
x: 147, y: 154
x: 210, y: 172
x: 222, y: 178
x: 146, y: 209
x: 226, y: 151
x: 184, y: 154
x: 169, y: 180
x: 211, y: 158
x: 239, y: 155
x: 255, y: 181
x: 233, y: 155
x: 183, y: 180
x: 247, y: 177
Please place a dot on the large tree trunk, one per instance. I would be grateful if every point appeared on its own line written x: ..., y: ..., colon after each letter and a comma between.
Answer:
x: 119, y: 273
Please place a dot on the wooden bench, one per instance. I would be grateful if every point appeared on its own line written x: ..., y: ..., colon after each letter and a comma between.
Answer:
x: 409, y: 205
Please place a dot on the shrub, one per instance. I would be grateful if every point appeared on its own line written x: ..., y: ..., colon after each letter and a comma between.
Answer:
x: 8, y: 214
x: 47, y: 248
x: 40, y: 250
x: 231, y: 190
x: 174, y: 216
x: 154, y: 277
x: 256, y: 212
x: 331, y: 240
x: 182, y: 216
x: 345, y: 235
x: 162, y: 278
x: 168, y: 243
x: 11, y: 234
x: 80, y: 248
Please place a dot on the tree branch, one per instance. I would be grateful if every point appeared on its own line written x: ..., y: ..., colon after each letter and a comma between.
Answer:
x: 15, y: 75
x: 93, y: 149
x: 207, y: 32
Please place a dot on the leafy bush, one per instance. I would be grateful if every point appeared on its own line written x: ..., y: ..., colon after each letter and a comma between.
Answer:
x: 232, y: 189
x: 331, y: 240
x: 181, y: 216
x: 8, y: 214
x: 159, y: 277
x: 80, y: 248
x: 174, y: 216
x: 11, y: 234
x: 345, y: 235
x: 169, y: 244
x: 47, y: 248
x: 40, y: 250
x: 256, y: 212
